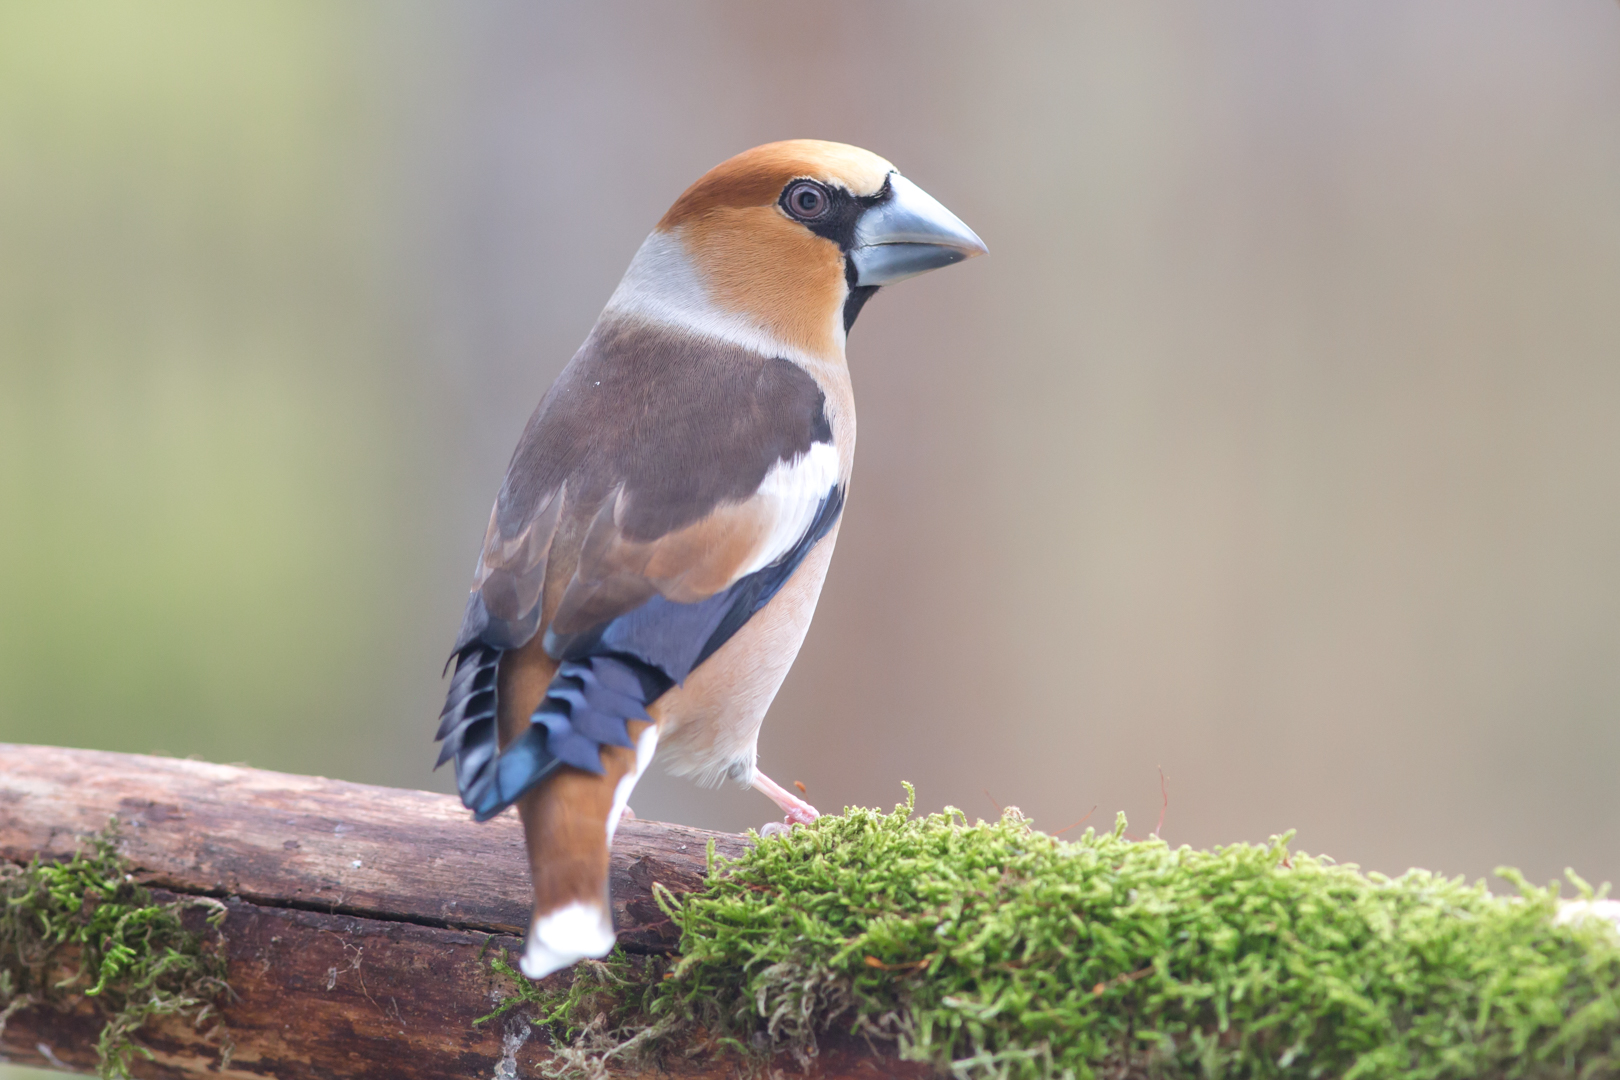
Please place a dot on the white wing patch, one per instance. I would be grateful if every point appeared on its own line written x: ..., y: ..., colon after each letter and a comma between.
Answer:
x: 793, y: 491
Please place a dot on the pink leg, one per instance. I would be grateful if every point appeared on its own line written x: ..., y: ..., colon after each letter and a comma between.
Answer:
x: 797, y: 810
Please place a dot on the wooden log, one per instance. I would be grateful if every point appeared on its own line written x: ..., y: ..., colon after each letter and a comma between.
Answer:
x: 359, y: 922
x: 324, y: 845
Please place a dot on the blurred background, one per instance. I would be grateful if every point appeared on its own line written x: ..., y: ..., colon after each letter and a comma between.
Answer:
x: 1276, y: 443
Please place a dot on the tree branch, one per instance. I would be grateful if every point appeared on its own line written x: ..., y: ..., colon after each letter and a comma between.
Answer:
x: 359, y: 917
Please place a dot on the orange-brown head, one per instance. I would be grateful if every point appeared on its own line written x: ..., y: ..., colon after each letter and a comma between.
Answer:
x: 782, y: 244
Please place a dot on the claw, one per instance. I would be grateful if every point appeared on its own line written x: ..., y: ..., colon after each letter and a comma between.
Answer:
x: 774, y: 828
x: 797, y: 810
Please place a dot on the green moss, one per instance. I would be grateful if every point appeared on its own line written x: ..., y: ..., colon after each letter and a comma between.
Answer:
x: 996, y: 950
x: 84, y: 928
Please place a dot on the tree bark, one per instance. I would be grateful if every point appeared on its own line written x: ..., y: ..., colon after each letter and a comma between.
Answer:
x: 360, y: 919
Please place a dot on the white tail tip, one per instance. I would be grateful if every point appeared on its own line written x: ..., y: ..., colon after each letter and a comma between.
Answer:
x: 569, y: 934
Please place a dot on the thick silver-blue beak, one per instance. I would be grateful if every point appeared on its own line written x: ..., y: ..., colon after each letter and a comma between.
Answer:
x: 908, y: 234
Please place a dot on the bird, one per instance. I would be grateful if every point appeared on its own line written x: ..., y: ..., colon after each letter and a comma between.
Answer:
x: 657, y: 548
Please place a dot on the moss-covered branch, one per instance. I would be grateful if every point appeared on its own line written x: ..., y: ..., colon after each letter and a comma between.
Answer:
x: 83, y: 928
x: 362, y: 922
x: 996, y: 950
x: 359, y: 918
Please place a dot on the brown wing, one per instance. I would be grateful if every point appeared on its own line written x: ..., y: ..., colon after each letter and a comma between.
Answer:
x: 640, y: 475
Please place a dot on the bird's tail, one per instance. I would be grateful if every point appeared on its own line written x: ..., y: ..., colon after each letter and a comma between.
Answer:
x: 569, y: 819
x: 593, y: 719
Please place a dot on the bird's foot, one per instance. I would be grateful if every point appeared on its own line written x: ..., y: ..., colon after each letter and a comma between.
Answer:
x: 627, y: 815
x: 774, y: 828
x: 797, y: 810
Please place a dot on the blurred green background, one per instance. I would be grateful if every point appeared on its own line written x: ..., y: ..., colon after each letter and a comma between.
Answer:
x: 1277, y: 443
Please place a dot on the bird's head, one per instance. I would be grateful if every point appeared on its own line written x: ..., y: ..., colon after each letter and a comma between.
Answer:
x: 779, y: 247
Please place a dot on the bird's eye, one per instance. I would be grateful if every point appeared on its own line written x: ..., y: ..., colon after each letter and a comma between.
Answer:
x: 807, y: 200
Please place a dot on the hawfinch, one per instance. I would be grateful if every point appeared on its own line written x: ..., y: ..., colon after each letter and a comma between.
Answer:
x: 658, y: 545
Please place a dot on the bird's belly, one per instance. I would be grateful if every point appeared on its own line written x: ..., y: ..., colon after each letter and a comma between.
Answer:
x: 709, y: 725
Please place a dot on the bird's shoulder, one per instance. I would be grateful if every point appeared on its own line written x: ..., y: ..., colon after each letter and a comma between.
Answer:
x: 679, y: 422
